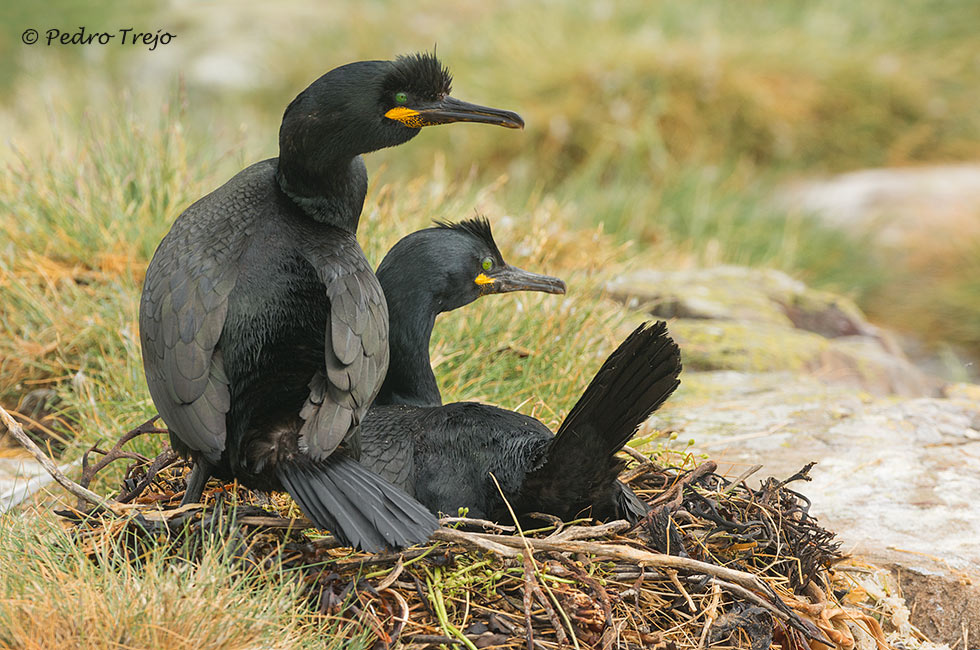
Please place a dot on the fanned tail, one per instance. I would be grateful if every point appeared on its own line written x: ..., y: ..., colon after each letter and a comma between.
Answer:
x: 580, y: 469
x: 359, y: 507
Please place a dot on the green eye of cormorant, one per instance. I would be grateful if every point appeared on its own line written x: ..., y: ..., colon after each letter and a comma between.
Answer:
x: 487, y: 263
x: 401, y: 98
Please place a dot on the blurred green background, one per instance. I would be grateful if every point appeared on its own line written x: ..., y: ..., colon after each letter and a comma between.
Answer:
x: 659, y: 134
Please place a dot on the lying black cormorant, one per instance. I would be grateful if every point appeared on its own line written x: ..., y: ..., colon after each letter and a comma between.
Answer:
x: 263, y: 328
x: 434, y: 271
x: 444, y: 455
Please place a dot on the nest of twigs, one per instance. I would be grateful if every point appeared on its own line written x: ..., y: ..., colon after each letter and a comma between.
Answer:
x: 715, y: 564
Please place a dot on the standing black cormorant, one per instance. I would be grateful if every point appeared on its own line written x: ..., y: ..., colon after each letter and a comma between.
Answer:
x: 263, y: 328
x: 444, y: 455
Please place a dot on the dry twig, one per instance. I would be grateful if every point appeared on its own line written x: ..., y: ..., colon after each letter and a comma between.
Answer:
x: 117, y: 452
x: 672, y: 497
x: 589, y: 532
x: 74, y: 488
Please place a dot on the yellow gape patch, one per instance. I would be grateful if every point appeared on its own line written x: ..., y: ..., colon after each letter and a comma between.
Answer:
x: 483, y: 279
x: 406, y: 116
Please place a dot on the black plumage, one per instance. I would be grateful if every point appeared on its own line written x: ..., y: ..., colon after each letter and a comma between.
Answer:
x: 445, y: 455
x: 263, y: 328
x: 433, y: 271
x: 578, y: 470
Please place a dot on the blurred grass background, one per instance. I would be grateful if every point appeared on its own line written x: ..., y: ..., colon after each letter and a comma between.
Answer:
x: 658, y: 135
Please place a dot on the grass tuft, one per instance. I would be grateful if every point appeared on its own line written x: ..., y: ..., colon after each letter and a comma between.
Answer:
x: 53, y: 594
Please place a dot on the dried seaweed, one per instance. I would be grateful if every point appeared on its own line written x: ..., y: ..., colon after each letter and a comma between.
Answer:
x: 765, y: 530
x: 566, y: 584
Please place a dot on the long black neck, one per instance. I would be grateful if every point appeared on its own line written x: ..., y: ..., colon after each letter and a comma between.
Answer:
x: 319, y: 165
x: 331, y: 192
x: 324, y: 132
x: 412, y: 314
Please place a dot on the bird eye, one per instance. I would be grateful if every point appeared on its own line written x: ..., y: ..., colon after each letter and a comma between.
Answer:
x: 401, y: 98
x: 487, y: 263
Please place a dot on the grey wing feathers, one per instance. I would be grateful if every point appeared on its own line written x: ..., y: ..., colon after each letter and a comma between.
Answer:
x: 182, y: 313
x: 355, y: 351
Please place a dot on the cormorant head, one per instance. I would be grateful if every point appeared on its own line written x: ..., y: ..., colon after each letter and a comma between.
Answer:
x: 368, y: 105
x: 455, y: 263
x: 416, y: 94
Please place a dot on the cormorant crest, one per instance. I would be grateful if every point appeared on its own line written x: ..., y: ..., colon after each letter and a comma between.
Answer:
x: 478, y: 227
x: 421, y: 74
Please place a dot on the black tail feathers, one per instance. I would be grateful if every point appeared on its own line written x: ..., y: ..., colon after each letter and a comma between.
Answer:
x: 359, y: 507
x: 580, y: 466
x: 634, y: 381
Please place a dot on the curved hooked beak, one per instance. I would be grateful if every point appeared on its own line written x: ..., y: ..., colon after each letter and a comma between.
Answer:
x: 509, y: 278
x: 448, y: 110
